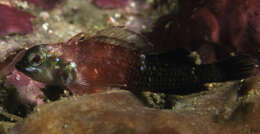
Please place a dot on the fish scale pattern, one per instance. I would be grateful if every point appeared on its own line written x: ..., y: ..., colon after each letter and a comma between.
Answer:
x: 156, y: 76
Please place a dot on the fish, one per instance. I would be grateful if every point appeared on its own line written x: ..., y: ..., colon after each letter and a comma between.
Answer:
x: 120, y: 57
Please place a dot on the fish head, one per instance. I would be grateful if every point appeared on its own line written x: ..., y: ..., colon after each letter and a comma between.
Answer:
x: 39, y: 64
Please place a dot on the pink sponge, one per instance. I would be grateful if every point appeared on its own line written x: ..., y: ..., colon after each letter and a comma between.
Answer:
x: 46, y: 4
x: 13, y: 21
x: 111, y: 3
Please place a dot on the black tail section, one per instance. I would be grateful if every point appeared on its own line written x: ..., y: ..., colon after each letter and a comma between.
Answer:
x: 237, y: 67
x: 168, y: 76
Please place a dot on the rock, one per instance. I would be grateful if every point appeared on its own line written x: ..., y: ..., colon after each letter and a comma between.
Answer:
x: 4, y: 126
x: 120, y: 112
x: 114, y: 112
x: 226, y: 25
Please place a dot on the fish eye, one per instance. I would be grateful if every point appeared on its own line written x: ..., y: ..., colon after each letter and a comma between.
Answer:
x: 35, y: 59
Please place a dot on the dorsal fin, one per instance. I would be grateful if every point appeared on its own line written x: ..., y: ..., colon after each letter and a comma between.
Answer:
x: 120, y: 36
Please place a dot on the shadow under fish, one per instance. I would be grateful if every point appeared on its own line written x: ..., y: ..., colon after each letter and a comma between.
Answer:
x: 119, y: 57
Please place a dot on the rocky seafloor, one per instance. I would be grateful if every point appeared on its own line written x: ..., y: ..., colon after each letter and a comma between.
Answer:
x: 229, y: 108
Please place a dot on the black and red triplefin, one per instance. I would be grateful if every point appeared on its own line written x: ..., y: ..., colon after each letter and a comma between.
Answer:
x: 117, y: 56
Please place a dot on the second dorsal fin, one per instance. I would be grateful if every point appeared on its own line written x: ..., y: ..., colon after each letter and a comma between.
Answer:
x: 120, y: 36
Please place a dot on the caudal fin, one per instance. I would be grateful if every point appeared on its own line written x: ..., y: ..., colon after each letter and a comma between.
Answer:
x: 237, y: 67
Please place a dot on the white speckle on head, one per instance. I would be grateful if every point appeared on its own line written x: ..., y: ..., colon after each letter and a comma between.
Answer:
x: 73, y: 64
x: 57, y: 59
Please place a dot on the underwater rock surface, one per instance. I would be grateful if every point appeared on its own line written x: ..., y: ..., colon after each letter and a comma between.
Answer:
x: 117, y: 112
x: 211, y: 112
x: 224, y: 25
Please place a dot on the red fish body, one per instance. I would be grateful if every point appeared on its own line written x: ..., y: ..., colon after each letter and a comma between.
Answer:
x: 114, y: 58
x: 98, y: 63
